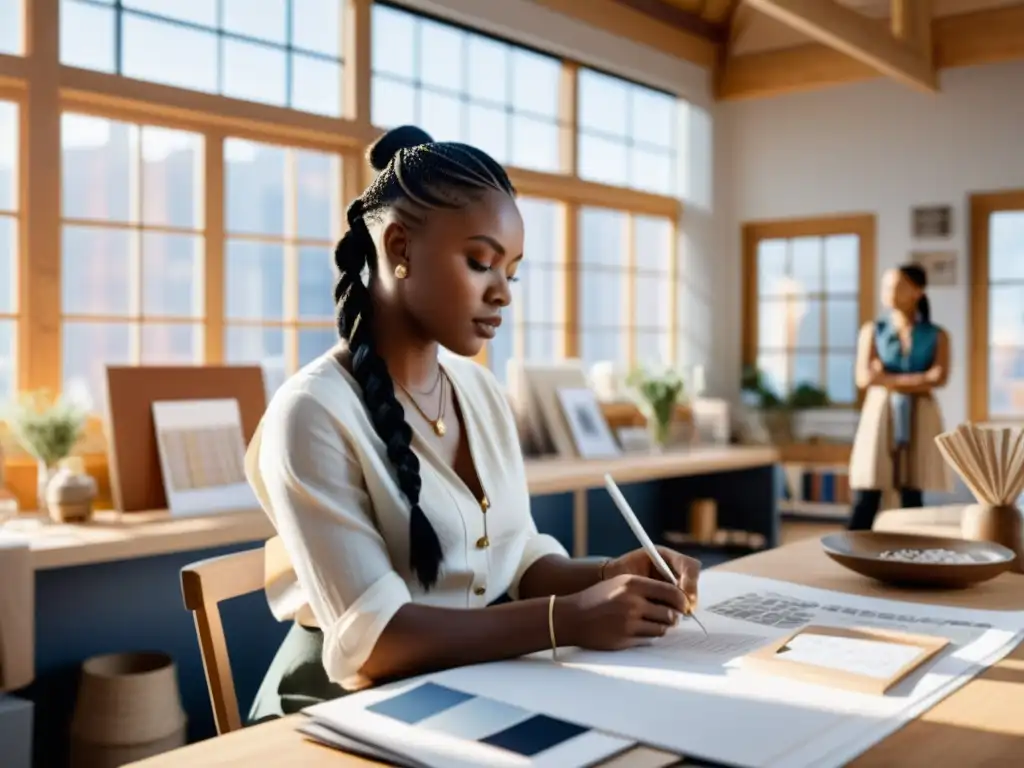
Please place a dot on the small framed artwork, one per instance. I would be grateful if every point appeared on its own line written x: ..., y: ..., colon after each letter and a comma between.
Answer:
x: 589, y: 429
x: 202, y: 456
x: 939, y: 266
x: 932, y: 221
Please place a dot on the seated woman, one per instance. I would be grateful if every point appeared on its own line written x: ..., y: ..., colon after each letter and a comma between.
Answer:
x: 393, y: 471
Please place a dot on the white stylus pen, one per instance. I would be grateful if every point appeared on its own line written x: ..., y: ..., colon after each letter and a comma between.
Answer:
x: 644, y: 539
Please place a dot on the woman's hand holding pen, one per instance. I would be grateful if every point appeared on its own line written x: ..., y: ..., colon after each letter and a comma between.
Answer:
x: 639, y: 563
x: 631, y: 605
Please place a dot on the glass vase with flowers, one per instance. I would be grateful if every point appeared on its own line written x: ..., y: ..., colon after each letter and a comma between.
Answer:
x: 658, y: 393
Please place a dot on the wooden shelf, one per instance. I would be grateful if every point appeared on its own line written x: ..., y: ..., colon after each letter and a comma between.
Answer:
x: 111, y: 537
x: 627, y: 414
x: 815, y: 453
x: 814, y: 508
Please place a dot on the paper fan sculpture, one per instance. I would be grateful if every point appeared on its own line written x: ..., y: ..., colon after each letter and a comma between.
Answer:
x: 990, y: 461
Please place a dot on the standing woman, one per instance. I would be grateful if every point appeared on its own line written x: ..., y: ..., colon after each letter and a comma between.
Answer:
x: 901, y: 359
x: 392, y: 470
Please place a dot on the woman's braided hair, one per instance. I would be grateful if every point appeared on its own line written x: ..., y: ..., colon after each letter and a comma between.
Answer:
x: 415, y: 175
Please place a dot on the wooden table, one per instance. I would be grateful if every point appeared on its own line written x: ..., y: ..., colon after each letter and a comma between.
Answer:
x: 978, y: 725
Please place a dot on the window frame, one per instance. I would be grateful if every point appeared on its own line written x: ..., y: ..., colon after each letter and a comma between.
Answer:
x: 982, y: 206
x: 20, y: 261
x: 44, y: 89
x: 752, y: 233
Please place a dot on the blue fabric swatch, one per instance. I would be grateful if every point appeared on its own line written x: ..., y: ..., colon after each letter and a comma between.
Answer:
x: 532, y: 736
x: 418, y: 704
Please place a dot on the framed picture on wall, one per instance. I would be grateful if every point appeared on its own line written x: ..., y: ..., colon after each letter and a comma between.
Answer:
x: 590, y: 430
x: 939, y: 266
x: 929, y: 221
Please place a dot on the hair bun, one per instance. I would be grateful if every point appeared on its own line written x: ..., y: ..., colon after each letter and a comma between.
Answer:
x: 388, y: 145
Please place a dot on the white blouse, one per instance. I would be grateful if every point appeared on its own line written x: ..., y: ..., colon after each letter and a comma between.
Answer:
x: 322, y: 475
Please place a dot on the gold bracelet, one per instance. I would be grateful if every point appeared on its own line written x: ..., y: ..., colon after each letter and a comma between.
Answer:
x: 600, y: 573
x: 551, y: 628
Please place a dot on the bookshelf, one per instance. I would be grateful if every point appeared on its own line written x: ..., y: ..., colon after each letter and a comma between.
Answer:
x: 816, y: 483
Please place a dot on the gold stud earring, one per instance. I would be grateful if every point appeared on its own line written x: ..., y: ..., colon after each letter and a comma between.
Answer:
x: 401, y: 272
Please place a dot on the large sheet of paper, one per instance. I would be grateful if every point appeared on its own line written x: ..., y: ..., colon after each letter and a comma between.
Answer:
x: 691, y: 694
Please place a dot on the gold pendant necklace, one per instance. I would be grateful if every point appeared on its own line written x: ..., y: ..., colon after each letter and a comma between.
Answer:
x: 437, y: 424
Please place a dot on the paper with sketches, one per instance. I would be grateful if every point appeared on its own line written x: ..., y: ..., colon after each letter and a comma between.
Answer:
x: 692, y: 695
x: 859, y: 656
x: 694, y: 645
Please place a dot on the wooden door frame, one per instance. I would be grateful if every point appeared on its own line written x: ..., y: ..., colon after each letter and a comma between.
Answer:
x: 982, y: 206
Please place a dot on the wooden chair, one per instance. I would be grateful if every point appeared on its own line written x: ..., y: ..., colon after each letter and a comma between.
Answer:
x: 204, y: 585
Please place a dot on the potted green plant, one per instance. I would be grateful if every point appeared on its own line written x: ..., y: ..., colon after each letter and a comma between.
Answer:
x: 658, y: 394
x: 47, y: 428
x: 778, y: 411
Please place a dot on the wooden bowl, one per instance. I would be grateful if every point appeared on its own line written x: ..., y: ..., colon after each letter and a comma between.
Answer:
x: 861, y: 552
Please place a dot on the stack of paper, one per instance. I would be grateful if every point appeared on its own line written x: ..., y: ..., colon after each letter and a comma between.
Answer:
x: 685, y: 694
x: 426, y: 724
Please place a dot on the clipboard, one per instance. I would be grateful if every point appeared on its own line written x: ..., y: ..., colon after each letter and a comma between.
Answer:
x: 861, y: 659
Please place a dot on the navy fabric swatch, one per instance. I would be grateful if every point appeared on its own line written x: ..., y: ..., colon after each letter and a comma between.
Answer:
x: 418, y: 704
x: 534, y: 735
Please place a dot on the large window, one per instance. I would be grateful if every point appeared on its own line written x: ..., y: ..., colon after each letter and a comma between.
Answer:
x: 996, y: 357
x: 534, y: 325
x: 625, y: 288
x: 8, y: 247
x: 282, y: 208
x: 627, y: 134
x: 280, y: 52
x: 808, y: 289
x: 185, y: 186
x: 463, y: 86
x: 132, y: 247
x: 12, y: 26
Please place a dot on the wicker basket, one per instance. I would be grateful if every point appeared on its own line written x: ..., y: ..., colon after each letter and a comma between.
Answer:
x: 128, y: 708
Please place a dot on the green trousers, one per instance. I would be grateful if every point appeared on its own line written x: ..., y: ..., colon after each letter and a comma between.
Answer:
x: 296, y: 678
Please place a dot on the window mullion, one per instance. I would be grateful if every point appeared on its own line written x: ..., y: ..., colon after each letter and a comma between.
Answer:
x: 673, y: 292
x: 357, y: 34
x: 568, y: 119
x: 291, y: 261
x: 631, y: 329
x: 213, y: 287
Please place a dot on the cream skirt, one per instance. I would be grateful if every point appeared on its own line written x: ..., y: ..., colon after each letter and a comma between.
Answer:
x: 873, y: 464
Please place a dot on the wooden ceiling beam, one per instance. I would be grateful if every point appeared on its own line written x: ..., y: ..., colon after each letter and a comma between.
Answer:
x: 984, y: 37
x: 679, y: 18
x: 621, y: 20
x: 739, y: 22
x: 855, y: 35
x: 912, y: 25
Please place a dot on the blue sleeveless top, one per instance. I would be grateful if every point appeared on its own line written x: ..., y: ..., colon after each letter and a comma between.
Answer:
x: 924, y: 341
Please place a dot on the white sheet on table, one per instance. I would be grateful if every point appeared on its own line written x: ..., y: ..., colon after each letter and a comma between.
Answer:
x: 692, y: 695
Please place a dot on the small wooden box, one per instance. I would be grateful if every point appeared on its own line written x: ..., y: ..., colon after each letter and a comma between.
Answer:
x: 771, y: 659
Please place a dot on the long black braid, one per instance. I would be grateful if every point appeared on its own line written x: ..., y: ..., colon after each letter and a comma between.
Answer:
x: 415, y: 175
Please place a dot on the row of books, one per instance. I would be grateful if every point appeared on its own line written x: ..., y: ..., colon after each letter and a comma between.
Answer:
x: 824, y: 485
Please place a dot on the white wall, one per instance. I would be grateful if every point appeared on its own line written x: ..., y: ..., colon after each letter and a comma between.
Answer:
x: 881, y: 148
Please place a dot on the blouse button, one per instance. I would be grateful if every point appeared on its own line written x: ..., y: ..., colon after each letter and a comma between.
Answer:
x: 478, y: 591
